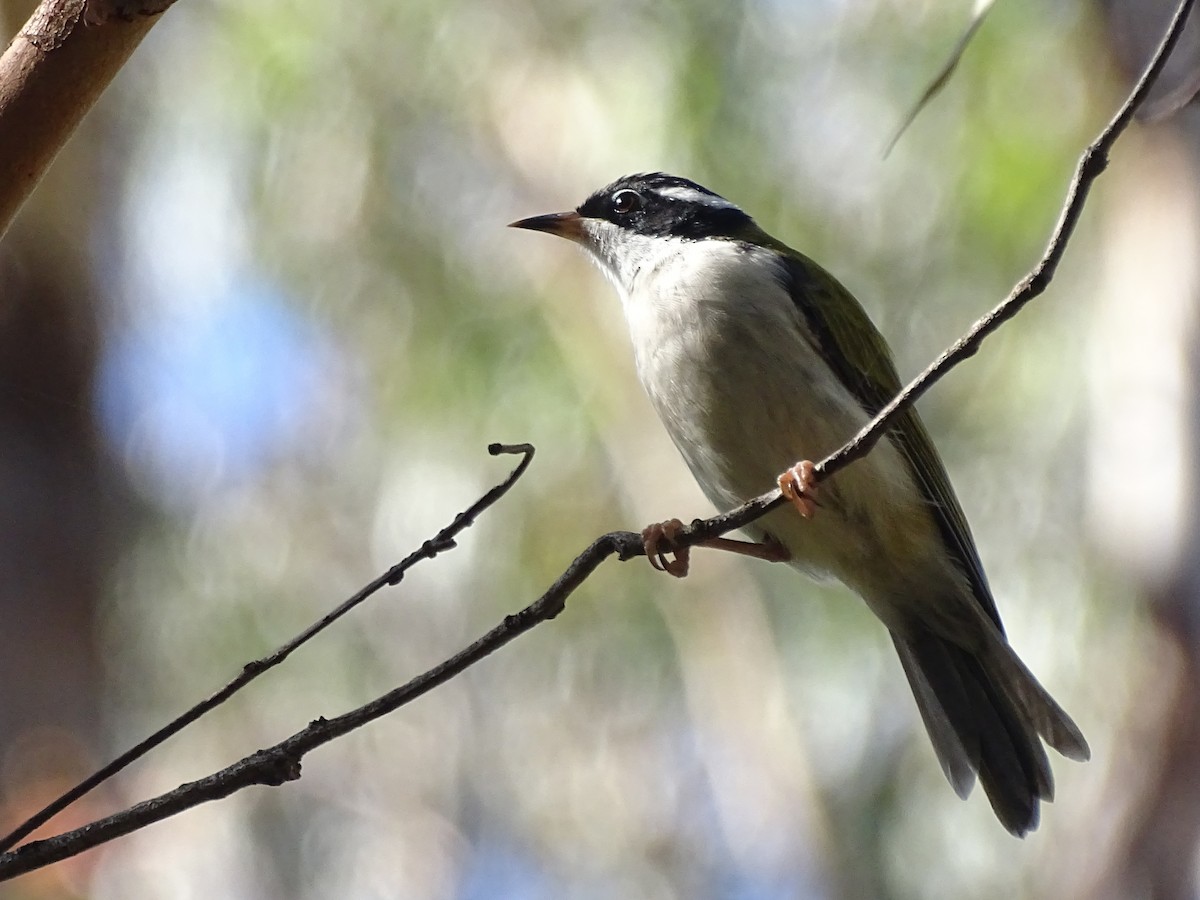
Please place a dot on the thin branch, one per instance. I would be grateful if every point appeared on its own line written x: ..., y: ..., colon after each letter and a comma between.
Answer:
x: 443, y: 540
x: 280, y: 763
x: 1092, y: 163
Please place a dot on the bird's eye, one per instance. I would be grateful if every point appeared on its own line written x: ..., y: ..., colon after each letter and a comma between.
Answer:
x: 626, y: 201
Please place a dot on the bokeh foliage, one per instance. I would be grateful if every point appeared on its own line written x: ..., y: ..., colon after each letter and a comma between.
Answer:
x: 320, y: 322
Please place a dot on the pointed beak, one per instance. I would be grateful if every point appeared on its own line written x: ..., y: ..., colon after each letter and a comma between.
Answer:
x: 567, y: 225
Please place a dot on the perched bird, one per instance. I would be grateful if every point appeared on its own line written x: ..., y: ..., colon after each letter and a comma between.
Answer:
x: 755, y: 357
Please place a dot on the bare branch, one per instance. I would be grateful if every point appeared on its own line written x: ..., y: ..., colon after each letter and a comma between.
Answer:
x: 443, y: 540
x: 281, y: 762
x: 50, y: 76
x: 1091, y: 164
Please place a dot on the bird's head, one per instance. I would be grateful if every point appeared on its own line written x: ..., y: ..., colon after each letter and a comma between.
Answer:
x: 642, y: 217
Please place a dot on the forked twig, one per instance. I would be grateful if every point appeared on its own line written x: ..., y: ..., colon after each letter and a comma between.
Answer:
x: 443, y: 540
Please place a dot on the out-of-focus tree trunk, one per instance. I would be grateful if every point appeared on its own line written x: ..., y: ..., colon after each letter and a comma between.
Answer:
x: 1149, y: 819
x: 57, y: 527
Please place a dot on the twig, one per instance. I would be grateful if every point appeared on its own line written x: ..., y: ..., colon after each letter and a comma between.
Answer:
x: 280, y: 763
x: 443, y: 540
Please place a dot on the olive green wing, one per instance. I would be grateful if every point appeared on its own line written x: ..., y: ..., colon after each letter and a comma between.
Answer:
x: 863, y: 362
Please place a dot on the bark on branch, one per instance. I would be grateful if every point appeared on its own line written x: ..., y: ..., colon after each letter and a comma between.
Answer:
x: 50, y: 76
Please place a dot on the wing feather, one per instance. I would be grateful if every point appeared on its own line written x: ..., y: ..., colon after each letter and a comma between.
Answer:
x: 863, y: 362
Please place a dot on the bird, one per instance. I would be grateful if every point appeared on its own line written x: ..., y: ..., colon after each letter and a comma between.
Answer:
x: 758, y: 360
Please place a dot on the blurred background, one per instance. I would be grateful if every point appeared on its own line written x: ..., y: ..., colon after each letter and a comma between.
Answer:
x: 262, y: 318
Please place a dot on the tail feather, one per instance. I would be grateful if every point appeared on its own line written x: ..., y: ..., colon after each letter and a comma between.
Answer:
x: 987, y: 714
x: 958, y: 761
x: 1037, y: 706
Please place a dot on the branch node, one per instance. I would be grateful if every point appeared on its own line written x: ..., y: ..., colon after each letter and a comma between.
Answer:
x: 274, y: 769
x: 1094, y: 162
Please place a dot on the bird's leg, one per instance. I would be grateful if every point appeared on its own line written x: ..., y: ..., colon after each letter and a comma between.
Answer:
x: 770, y: 549
x: 799, y: 485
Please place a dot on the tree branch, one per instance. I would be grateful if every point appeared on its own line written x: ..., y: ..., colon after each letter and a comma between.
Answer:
x: 50, y: 76
x: 281, y: 762
x: 443, y: 540
x: 1091, y: 165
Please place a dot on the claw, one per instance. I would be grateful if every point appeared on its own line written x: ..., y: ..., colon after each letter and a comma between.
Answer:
x: 664, y: 533
x: 799, y: 485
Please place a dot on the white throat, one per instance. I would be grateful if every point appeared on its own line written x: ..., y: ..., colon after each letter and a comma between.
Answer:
x: 684, y: 299
x: 628, y: 259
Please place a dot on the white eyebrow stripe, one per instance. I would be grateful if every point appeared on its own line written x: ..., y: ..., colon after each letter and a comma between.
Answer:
x: 691, y: 195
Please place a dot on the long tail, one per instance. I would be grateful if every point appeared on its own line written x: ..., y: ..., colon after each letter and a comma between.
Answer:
x: 987, y: 714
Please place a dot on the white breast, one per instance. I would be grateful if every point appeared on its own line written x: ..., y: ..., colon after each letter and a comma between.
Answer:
x: 733, y: 371
x: 732, y: 367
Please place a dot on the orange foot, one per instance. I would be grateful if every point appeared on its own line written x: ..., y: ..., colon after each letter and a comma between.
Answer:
x: 770, y: 549
x: 665, y: 532
x: 799, y: 485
